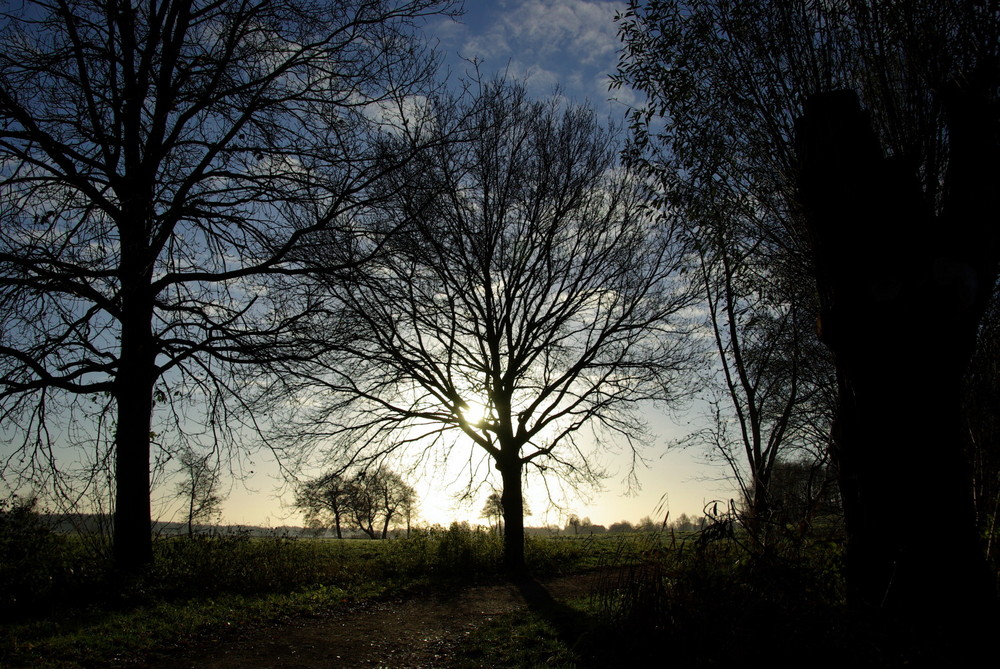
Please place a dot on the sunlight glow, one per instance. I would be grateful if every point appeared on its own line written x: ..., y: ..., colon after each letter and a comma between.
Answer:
x: 474, y: 413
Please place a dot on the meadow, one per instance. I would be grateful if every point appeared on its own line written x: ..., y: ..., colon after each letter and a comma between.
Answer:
x: 698, y: 598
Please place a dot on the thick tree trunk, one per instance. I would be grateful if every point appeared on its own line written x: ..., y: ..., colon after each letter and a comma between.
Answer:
x: 901, y: 296
x: 133, y: 546
x: 513, y: 515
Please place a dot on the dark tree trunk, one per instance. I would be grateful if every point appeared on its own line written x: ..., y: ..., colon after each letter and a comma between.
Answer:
x: 758, y: 521
x: 902, y: 292
x: 513, y: 515
x: 133, y: 546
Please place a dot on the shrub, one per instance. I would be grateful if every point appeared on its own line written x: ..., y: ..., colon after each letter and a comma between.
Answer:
x: 31, y: 558
x: 466, y: 552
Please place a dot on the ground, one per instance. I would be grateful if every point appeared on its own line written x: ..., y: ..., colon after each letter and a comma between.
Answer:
x: 419, y: 631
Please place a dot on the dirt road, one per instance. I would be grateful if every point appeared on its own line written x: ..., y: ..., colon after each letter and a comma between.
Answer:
x: 422, y: 631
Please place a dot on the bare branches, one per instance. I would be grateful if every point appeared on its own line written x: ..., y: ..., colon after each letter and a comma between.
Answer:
x: 532, y: 281
x: 165, y: 168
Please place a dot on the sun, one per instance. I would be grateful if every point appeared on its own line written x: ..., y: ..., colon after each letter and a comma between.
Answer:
x: 474, y: 413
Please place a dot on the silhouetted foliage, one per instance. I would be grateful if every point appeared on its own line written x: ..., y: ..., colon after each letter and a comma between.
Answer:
x: 30, y: 555
x: 863, y: 136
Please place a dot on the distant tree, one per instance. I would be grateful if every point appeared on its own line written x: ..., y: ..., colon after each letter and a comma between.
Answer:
x: 369, y: 500
x: 492, y: 507
x: 591, y: 527
x: 621, y: 526
x: 164, y: 164
x: 647, y: 524
x: 199, y: 488
x: 573, y: 522
x: 325, y: 501
x: 376, y: 498
x: 536, y: 294
x: 493, y: 511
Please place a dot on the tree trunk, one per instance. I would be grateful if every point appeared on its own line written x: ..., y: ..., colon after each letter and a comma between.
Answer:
x: 901, y: 297
x: 759, y: 521
x: 133, y: 545
x: 191, y: 514
x: 136, y: 374
x: 513, y: 515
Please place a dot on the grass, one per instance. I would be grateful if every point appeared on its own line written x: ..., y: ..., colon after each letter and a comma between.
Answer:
x: 199, y: 587
x: 699, y: 599
x: 524, y: 639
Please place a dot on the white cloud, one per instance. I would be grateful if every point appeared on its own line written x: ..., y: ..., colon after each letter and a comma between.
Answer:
x: 579, y: 30
x: 572, y: 43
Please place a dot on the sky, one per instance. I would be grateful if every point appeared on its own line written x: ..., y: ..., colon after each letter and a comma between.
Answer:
x: 568, y: 46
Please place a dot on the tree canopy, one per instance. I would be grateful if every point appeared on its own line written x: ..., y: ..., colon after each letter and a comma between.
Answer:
x: 535, y: 294
x: 162, y: 162
x: 370, y: 500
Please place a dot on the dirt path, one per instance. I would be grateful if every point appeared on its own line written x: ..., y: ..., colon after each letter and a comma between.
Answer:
x: 416, y: 632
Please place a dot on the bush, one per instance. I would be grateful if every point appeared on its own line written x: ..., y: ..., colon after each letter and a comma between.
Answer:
x: 31, y: 558
x: 237, y: 563
x: 715, y: 603
x: 464, y: 552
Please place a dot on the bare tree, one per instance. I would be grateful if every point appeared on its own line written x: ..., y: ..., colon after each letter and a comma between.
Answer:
x: 163, y: 164
x: 199, y: 487
x: 772, y: 394
x: 537, y: 294
x: 376, y: 497
x: 370, y: 499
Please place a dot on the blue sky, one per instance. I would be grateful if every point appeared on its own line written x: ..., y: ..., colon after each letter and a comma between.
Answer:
x: 572, y: 46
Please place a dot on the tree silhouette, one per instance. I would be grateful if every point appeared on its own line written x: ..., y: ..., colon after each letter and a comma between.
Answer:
x: 163, y: 164
x: 535, y: 294
x: 372, y: 500
x: 493, y: 511
x: 862, y: 138
x: 325, y: 501
x: 199, y: 488
x: 376, y: 498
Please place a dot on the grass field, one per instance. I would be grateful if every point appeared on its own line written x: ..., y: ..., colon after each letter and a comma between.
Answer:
x: 700, y: 600
x: 65, y: 607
